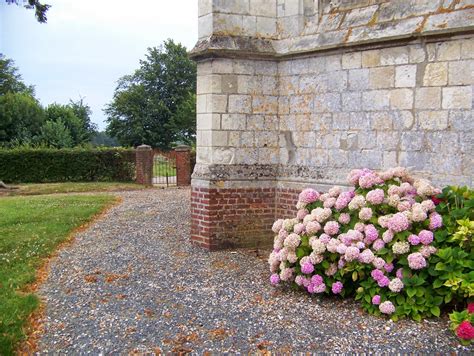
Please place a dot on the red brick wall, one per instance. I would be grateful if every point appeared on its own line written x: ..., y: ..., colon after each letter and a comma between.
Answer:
x: 226, y: 218
x: 183, y: 167
x: 144, y: 165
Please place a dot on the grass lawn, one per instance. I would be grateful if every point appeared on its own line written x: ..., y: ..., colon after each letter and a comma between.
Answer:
x: 160, y: 169
x: 71, y: 187
x: 30, y: 230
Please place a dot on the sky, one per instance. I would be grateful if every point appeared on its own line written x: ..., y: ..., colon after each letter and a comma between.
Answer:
x: 87, y: 45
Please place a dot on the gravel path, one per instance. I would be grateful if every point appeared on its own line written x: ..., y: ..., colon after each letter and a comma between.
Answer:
x: 133, y: 283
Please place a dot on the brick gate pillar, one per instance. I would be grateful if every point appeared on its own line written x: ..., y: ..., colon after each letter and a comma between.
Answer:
x: 183, y: 165
x: 144, y: 165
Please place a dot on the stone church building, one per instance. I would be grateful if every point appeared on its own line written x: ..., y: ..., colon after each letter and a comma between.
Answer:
x: 296, y: 93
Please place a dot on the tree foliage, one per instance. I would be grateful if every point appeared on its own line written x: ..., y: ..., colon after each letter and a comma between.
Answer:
x: 155, y: 105
x: 40, y: 9
x: 10, y: 79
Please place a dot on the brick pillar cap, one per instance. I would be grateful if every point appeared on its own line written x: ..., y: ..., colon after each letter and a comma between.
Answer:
x: 144, y: 148
x: 181, y: 148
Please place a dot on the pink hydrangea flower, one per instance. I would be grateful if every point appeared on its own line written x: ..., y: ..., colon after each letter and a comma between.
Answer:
x: 413, y: 239
x: 299, y: 228
x: 383, y: 282
x: 329, y: 203
x: 378, y: 262
x: 400, y: 247
x: 354, y: 176
x: 334, y: 191
x: 387, y: 307
x: 377, y: 274
x: 365, y: 214
x: 376, y: 299
x: 395, y: 285
x: 388, y: 267
x: 331, y: 271
x: 324, y: 238
x: 321, y: 288
x: 387, y: 236
x: 416, y: 261
x: 344, y: 218
x: 343, y: 200
x: 369, y: 179
x: 436, y: 221
x: 399, y: 273
x: 316, y: 279
x: 427, y: 251
x: 371, y: 233
x: 331, y: 228
x: 351, y: 254
x: 398, y: 222
x: 307, y: 268
x: 274, y: 279
x: 313, y: 227
x: 277, y: 226
x: 308, y: 196
x: 366, y: 256
x: 465, y: 330
x: 302, y: 213
x: 359, y: 227
x: 426, y: 237
x: 404, y: 206
x: 375, y: 196
x: 292, y: 241
x: 337, y: 287
x: 378, y: 245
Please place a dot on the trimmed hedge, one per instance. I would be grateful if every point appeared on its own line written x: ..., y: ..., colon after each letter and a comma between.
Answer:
x: 42, y: 165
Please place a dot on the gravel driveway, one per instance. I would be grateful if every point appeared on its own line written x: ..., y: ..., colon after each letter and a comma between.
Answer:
x: 133, y: 283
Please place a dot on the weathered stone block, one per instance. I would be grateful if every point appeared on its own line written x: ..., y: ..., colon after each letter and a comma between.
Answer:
x: 367, y: 158
x: 461, y: 120
x: 370, y: 58
x: 375, y: 100
x: 405, y: 76
x: 382, y: 77
x: 436, y: 74
x: 301, y: 104
x: 403, y: 120
x: 266, y: 139
x: 219, y: 138
x: 231, y: 7
x: 233, y: 121
x: 351, y: 60
x: 457, y: 97
x: 412, y: 141
x: 240, y: 104
x: 381, y: 120
x: 266, y: 26
x: 208, y: 121
x: 351, y: 101
x: 467, y: 48
x: 449, y: 51
x: 229, y: 84
x: 417, y: 54
x: 367, y: 139
x: 358, y: 79
x: 401, y: 99
x: 394, y: 55
x: 433, y: 120
x: 255, y: 122
x: 268, y: 156
x: 461, y: 73
x: 428, y: 98
x: 359, y: 121
x: 328, y: 102
x: 263, y: 8
x: 360, y: 16
x: 388, y: 140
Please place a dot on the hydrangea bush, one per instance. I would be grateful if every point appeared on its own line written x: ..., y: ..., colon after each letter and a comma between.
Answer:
x: 373, y: 242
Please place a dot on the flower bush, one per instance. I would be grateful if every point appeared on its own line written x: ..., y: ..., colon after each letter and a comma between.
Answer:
x: 377, y: 242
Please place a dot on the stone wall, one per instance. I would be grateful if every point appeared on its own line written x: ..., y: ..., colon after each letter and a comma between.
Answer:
x: 295, y: 93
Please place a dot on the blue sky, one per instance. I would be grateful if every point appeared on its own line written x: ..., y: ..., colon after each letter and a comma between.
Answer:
x: 87, y: 45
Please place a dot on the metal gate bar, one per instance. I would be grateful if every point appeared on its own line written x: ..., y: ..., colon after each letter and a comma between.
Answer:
x: 164, y: 169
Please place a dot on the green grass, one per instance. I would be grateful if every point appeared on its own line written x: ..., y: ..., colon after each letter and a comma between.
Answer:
x: 71, y: 187
x: 161, y: 168
x: 30, y: 230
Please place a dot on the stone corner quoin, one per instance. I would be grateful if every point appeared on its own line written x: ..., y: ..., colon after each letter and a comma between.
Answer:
x: 296, y: 93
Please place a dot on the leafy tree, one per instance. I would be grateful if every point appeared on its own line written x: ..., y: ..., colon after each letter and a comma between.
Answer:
x: 154, y: 105
x: 40, y: 9
x: 10, y: 79
x: 21, y: 118
x: 55, y: 134
x: 75, y: 118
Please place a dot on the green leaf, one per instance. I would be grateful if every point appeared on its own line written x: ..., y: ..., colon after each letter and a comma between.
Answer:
x: 437, y: 283
x: 440, y: 266
x: 435, y: 311
x: 354, y: 276
x: 411, y: 292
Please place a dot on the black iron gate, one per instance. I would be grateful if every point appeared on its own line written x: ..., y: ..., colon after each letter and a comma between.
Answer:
x: 164, y: 169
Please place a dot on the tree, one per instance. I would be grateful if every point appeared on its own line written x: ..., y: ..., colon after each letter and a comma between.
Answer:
x: 100, y: 138
x: 150, y: 106
x: 55, y: 134
x: 40, y: 9
x: 10, y: 79
x: 75, y: 118
x: 21, y: 118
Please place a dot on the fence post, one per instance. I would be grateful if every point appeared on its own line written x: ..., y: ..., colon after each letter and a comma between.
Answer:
x: 144, y: 165
x: 183, y: 165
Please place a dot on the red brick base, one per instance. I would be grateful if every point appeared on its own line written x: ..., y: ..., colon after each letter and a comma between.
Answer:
x: 227, y: 218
